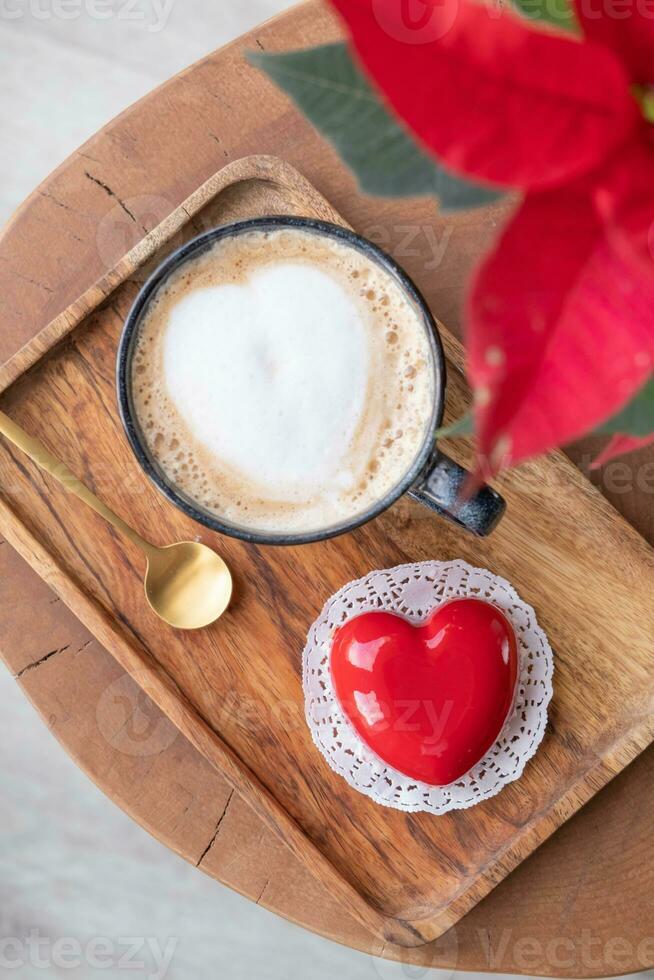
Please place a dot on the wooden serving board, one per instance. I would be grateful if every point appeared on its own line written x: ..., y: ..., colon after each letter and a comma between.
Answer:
x: 235, y: 689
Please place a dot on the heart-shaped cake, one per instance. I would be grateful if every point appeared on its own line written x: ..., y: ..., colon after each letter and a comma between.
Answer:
x: 429, y: 700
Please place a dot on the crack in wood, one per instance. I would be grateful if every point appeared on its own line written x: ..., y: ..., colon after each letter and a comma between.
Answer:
x: 87, y: 156
x: 111, y: 193
x: 263, y: 890
x: 27, y: 279
x: 41, y: 660
x: 52, y: 653
x: 218, y: 140
x: 217, y: 830
x: 49, y: 196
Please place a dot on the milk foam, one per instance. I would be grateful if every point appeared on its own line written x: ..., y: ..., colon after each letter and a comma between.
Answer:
x: 283, y: 381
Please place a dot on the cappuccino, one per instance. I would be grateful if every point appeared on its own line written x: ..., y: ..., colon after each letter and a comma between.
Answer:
x: 283, y: 381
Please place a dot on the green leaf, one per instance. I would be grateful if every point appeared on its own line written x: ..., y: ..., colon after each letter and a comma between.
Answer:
x: 336, y: 97
x: 464, y: 426
x: 557, y: 12
x: 636, y: 418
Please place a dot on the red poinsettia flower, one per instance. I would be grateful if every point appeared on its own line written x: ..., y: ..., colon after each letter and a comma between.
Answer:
x: 559, y: 320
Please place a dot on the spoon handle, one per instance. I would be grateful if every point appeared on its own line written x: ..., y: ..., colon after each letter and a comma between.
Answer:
x: 46, y: 461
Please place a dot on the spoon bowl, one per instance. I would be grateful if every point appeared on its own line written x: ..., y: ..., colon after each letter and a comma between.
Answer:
x: 187, y: 585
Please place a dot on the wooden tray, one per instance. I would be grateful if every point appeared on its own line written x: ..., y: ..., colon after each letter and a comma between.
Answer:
x: 235, y: 689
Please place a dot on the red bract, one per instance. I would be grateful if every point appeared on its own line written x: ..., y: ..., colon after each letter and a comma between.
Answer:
x: 619, y: 445
x: 559, y: 318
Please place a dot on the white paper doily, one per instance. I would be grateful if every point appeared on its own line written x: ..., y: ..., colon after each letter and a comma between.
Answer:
x: 414, y: 591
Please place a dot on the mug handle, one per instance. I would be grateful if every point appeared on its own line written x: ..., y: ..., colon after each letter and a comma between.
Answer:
x: 439, y: 487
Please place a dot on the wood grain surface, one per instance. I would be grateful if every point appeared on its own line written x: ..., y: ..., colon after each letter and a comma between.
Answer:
x: 234, y: 690
x: 472, y: 234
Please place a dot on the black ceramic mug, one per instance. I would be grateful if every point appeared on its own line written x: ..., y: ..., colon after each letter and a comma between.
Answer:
x: 433, y: 478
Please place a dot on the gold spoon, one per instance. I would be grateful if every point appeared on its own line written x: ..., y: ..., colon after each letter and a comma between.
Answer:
x: 187, y: 584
